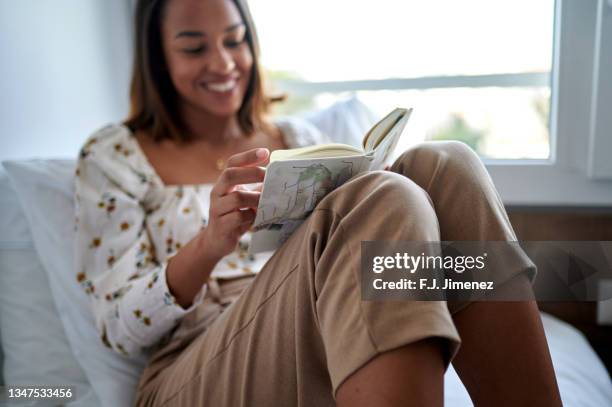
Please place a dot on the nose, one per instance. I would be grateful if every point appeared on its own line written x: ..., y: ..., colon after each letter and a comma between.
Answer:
x: 221, y: 61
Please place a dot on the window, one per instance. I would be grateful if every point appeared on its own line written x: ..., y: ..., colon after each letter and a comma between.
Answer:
x: 478, y: 71
x: 518, y: 81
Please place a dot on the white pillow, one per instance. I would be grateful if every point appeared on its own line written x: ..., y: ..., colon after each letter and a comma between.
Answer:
x: 33, y: 340
x: 45, y: 190
x: 345, y: 121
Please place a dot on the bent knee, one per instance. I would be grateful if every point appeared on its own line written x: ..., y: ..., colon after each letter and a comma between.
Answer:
x: 451, y: 151
x: 453, y: 158
x: 384, y: 192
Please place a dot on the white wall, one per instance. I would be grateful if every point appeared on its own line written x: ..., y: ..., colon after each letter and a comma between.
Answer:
x: 64, y: 72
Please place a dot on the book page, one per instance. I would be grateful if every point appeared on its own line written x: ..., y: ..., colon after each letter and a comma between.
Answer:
x: 380, y: 130
x: 382, y: 152
x: 291, y: 191
x: 316, y: 151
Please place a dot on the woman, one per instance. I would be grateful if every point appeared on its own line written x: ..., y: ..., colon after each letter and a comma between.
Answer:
x: 162, y: 226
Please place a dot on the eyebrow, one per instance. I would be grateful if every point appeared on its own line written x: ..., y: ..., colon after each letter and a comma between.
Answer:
x: 192, y: 34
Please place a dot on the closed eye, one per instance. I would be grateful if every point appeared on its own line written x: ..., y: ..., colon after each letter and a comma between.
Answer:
x: 194, y: 51
x: 234, y: 43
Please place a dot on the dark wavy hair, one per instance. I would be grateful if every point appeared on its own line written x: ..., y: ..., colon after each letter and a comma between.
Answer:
x: 153, y: 98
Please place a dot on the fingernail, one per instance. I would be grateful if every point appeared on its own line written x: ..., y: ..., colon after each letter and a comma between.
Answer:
x: 261, y: 153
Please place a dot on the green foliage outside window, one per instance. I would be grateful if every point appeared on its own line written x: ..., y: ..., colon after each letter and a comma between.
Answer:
x: 456, y: 128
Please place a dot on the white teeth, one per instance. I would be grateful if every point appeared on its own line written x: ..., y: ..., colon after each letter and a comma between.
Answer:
x: 221, y: 87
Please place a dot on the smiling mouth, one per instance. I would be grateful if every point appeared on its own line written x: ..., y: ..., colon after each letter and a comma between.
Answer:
x: 221, y: 87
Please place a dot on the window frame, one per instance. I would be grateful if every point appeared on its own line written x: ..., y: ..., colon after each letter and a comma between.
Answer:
x: 575, y: 175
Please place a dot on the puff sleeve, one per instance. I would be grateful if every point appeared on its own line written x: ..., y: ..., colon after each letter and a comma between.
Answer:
x: 115, y: 260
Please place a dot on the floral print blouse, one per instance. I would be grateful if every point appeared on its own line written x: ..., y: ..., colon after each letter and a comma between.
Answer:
x: 129, y: 224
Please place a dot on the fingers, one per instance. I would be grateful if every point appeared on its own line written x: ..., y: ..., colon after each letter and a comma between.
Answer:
x: 249, y: 158
x: 232, y: 176
x: 242, y: 168
x: 234, y: 201
x: 237, y: 221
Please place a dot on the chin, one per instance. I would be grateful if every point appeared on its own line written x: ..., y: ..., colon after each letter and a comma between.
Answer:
x: 222, y: 112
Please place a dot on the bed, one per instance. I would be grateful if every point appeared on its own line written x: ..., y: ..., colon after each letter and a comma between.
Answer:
x: 47, y: 336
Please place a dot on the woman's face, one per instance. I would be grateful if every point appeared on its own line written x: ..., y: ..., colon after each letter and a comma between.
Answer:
x: 207, y: 54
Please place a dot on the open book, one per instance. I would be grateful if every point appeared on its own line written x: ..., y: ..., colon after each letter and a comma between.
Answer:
x: 297, y: 179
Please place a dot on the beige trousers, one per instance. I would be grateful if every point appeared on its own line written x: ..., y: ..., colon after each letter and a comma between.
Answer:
x: 293, y: 333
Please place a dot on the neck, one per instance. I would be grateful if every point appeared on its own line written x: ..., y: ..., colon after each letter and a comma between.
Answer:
x: 216, y: 130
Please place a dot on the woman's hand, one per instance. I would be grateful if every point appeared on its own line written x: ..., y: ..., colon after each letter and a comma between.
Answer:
x: 232, y: 207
